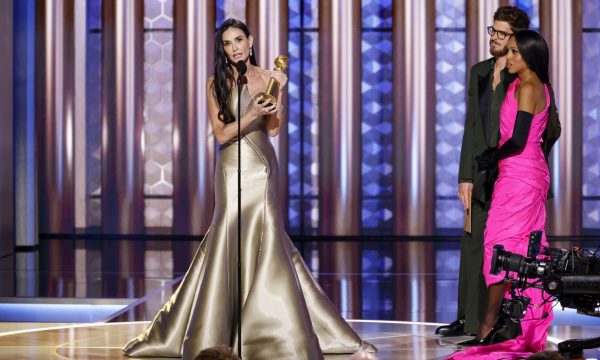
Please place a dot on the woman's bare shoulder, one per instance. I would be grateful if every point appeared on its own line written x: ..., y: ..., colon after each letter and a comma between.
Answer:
x: 531, y: 89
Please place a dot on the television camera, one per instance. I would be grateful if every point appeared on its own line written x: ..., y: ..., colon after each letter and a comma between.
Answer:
x: 570, y: 276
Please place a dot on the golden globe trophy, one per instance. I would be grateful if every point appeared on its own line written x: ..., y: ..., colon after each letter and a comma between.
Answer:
x: 272, y: 92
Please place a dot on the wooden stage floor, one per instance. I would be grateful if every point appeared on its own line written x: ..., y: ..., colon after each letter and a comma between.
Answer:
x: 395, y: 339
x: 84, y: 311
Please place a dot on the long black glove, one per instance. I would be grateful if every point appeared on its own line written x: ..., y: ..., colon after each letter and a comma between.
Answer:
x: 490, y: 157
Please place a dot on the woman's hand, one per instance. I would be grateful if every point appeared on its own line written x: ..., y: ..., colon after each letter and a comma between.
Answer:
x: 487, y: 160
x: 259, y: 108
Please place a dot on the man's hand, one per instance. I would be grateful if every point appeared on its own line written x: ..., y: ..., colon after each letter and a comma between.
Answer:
x: 465, y: 189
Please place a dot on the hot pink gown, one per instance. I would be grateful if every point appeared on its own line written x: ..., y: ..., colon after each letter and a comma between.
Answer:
x: 517, y: 208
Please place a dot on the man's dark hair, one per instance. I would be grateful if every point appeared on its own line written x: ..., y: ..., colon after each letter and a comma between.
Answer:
x: 515, y: 17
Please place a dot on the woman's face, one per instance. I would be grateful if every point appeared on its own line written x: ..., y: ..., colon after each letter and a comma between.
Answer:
x: 514, y: 61
x: 236, y: 45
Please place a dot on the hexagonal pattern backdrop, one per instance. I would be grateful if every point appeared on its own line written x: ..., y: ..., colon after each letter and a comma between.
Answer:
x: 376, y: 88
x: 158, y: 112
x: 591, y: 115
x: 450, y: 91
x: 230, y: 9
x: 303, y: 163
x: 377, y: 115
x: 158, y: 14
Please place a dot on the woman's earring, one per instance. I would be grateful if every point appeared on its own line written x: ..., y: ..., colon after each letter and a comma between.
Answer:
x: 250, y: 51
x: 226, y: 61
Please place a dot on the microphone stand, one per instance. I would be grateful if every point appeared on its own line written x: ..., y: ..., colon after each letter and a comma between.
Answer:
x: 239, y: 198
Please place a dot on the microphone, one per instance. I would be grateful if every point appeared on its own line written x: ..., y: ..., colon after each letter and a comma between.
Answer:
x: 241, y: 68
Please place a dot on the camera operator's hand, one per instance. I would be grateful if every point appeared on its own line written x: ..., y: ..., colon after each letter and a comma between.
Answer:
x: 465, y: 190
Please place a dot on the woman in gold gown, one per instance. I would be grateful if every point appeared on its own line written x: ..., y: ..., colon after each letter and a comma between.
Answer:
x: 285, y: 313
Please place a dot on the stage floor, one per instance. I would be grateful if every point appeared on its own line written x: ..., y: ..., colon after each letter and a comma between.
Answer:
x: 396, y: 340
x: 68, y: 301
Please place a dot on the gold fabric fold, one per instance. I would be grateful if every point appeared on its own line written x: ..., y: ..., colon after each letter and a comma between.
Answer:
x: 285, y: 313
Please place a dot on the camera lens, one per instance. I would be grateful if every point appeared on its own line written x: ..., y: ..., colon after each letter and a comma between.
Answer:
x: 498, y: 258
x: 504, y: 260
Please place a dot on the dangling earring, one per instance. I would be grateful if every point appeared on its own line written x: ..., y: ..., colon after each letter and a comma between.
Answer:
x: 226, y: 61
x: 250, y: 51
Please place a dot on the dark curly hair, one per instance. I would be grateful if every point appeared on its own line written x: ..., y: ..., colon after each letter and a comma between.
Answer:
x: 515, y: 17
x: 224, y: 69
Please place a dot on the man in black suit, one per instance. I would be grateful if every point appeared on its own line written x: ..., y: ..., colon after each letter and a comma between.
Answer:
x: 488, y: 84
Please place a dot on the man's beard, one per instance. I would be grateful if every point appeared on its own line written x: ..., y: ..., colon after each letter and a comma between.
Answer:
x: 498, y: 53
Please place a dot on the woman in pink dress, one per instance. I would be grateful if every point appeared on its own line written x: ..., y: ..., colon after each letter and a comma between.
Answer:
x: 518, y: 200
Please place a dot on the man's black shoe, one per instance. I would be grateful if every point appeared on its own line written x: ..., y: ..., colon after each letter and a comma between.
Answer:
x: 457, y: 328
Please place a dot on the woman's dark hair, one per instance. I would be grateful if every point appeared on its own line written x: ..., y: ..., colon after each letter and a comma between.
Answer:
x: 224, y: 69
x: 534, y: 51
x: 515, y: 17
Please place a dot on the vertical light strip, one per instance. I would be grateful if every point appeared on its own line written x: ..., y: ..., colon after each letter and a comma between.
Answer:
x: 198, y: 72
x: 54, y: 104
x: 130, y: 96
x: 269, y: 40
x: 80, y: 111
x: 202, y: 65
x: 80, y: 143
x: 59, y: 48
x: 120, y: 113
x: 346, y: 119
x: 415, y: 71
x: 56, y: 126
x: 566, y: 183
x: 339, y: 144
x: 486, y: 18
x: 50, y: 205
x: 419, y: 170
x: 122, y: 97
x: 400, y: 146
x: 193, y: 146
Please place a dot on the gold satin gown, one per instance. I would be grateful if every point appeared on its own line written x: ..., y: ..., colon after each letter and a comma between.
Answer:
x: 285, y: 313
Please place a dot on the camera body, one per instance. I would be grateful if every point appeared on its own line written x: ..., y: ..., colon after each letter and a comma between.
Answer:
x: 572, y: 276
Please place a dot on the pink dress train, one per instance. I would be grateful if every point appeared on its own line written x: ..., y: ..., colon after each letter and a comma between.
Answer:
x: 517, y: 208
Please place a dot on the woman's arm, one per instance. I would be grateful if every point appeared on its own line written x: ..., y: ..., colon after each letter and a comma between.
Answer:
x: 518, y: 140
x: 225, y: 132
